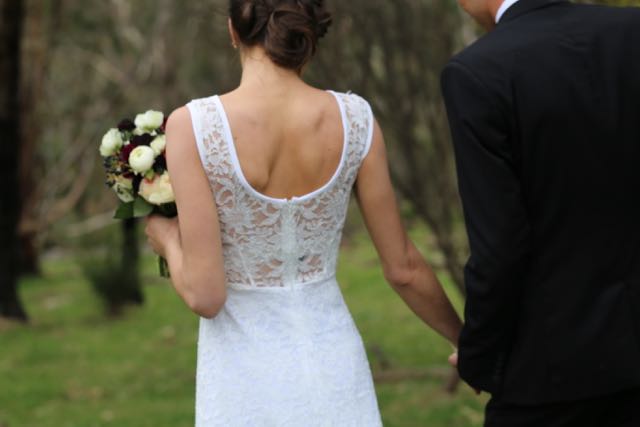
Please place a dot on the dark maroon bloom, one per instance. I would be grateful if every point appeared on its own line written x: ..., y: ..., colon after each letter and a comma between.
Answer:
x: 126, y: 151
x: 129, y: 175
x: 144, y: 139
x: 126, y: 125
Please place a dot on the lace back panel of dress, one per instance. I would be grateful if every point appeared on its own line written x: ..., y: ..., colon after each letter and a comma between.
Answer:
x: 277, y: 243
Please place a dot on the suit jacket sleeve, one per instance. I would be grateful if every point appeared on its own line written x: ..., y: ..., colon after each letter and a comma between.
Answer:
x: 496, y: 221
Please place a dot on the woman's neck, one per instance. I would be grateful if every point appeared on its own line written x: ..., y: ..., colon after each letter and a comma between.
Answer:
x: 259, y: 73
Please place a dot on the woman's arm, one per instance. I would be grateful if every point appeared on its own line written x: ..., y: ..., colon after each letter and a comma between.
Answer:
x: 404, y: 267
x: 191, y: 242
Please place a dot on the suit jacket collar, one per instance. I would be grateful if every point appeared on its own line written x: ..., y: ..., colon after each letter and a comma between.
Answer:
x: 525, y: 6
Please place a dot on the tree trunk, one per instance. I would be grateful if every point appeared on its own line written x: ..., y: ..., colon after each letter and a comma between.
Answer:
x: 11, y: 19
x: 31, y: 80
x: 41, y: 24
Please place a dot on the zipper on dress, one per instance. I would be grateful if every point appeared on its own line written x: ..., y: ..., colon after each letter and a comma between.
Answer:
x: 289, y: 244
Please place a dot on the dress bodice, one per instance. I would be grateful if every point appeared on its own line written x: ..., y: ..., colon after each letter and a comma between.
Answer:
x: 269, y: 242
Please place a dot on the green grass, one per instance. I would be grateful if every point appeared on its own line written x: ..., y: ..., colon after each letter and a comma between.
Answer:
x: 73, y: 367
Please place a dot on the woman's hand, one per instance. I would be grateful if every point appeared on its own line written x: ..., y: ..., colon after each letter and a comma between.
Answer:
x: 161, y: 233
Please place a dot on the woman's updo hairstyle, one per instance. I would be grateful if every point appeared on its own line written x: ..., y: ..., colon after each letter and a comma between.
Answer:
x: 288, y: 30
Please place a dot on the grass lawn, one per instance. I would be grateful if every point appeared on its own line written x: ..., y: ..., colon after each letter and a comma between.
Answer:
x: 72, y: 367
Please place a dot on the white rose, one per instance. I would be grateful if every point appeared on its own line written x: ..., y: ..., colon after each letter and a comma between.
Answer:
x: 159, y: 144
x: 123, y: 188
x: 141, y: 159
x: 111, y: 143
x: 149, y: 121
x: 157, y: 191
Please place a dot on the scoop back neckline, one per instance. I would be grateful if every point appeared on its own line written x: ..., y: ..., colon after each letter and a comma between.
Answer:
x: 228, y: 136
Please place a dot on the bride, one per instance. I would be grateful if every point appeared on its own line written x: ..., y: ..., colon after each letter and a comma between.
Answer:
x: 262, y: 177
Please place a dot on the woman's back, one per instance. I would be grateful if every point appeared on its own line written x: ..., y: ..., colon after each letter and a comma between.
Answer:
x: 282, y: 204
x: 288, y: 144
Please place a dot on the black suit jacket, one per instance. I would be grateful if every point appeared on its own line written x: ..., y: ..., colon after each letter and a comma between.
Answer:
x: 545, y: 119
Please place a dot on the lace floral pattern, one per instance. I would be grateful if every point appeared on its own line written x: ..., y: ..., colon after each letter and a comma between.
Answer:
x: 275, y: 242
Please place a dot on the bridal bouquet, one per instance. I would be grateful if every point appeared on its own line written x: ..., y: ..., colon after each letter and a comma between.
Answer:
x: 136, y: 168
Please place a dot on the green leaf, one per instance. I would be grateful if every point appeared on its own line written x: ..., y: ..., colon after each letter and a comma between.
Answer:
x: 124, y: 211
x: 141, y: 208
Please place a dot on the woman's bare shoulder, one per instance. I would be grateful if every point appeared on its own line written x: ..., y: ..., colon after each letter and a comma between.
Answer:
x: 180, y: 134
x: 179, y: 117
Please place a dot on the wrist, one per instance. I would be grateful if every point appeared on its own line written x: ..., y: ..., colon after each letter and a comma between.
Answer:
x: 172, y: 249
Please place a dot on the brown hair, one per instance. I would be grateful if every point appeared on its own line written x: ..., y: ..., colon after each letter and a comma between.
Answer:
x: 288, y: 30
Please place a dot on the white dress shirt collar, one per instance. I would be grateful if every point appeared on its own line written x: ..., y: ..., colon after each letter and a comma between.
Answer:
x: 506, y: 4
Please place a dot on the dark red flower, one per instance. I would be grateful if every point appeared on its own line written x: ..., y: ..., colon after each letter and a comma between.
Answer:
x: 126, y: 125
x: 126, y: 151
x: 144, y: 139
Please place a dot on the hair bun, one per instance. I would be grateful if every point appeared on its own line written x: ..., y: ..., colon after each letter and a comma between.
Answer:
x: 288, y: 30
x: 321, y: 17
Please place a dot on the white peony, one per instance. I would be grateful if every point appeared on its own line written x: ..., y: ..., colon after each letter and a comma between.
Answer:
x: 111, y: 143
x: 141, y: 159
x: 158, y: 144
x: 123, y: 188
x: 149, y: 121
x: 157, y: 191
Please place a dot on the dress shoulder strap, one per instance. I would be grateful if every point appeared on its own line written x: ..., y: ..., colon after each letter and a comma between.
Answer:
x: 359, y: 124
x: 206, y: 121
x: 209, y: 129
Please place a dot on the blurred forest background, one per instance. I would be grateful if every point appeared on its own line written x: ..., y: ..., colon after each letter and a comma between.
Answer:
x: 89, y: 335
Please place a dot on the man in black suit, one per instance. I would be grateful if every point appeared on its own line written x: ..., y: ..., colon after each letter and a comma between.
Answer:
x: 545, y: 118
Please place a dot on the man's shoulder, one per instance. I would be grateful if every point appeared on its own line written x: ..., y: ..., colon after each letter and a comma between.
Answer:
x: 497, y: 48
x: 624, y: 14
x: 486, y: 55
x: 492, y: 48
x: 602, y: 19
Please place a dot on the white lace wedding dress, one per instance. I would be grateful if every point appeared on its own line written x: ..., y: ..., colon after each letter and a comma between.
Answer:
x: 284, y: 351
